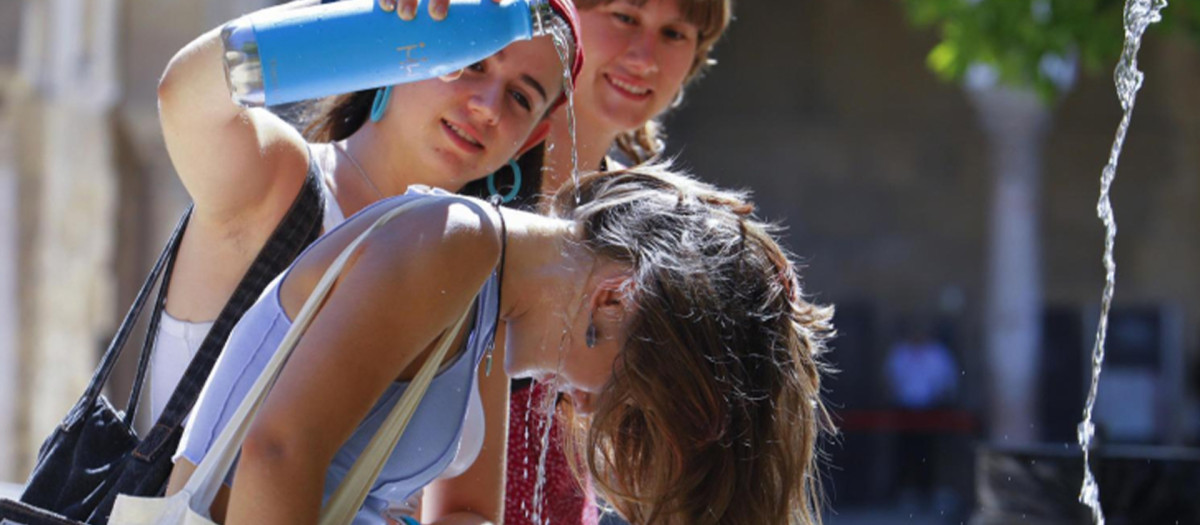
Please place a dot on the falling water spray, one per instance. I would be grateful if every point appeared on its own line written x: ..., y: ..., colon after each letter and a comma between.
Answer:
x: 1139, y: 14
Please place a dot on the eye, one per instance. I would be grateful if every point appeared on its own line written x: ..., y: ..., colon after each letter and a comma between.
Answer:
x: 477, y: 67
x: 676, y: 34
x: 521, y: 99
x: 624, y: 18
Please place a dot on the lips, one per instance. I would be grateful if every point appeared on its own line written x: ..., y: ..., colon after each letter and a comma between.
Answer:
x: 463, y: 136
x: 628, y: 87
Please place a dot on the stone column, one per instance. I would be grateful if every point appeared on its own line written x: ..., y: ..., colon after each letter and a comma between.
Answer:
x: 1015, y: 124
x: 69, y: 58
x: 9, y: 311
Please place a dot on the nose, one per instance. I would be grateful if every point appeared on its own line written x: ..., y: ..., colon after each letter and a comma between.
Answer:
x: 484, y: 104
x: 640, y: 55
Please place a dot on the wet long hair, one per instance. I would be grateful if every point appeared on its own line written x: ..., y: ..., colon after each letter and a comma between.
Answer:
x: 711, y: 18
x: 713, y: 413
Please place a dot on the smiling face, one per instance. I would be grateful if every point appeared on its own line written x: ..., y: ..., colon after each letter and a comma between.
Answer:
x: 638, y: 54
x: 468, y: 127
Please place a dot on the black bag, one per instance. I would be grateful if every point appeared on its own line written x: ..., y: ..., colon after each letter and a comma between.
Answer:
x: 94, y: 454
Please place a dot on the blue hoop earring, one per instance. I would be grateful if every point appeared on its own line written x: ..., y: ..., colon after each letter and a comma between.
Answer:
x: 380, y: 104
x: 516, y: 187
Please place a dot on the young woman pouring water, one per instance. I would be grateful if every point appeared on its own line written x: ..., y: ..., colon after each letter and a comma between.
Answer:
x: 243, y: 168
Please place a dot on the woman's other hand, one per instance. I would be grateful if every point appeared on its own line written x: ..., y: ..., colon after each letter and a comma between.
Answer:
x: 407, y: 9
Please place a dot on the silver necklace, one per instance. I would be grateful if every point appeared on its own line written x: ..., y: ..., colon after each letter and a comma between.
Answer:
x: 338, y: 146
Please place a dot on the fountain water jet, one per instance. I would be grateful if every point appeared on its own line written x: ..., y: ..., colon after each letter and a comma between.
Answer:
x: 1139, y: 14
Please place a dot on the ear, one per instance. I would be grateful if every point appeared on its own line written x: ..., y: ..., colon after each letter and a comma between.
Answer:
x: 539, y: 134
x: 610, y: 297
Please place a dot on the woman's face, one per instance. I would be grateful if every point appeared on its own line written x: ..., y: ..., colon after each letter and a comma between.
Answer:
x: 551, y: 345
x: 468, y: 127
x: 637, y: 55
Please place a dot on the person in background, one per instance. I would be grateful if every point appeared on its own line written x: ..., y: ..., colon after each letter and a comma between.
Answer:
x: 922, y: 376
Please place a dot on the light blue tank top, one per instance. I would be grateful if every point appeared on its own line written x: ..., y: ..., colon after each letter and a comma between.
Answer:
x: 432, y: 438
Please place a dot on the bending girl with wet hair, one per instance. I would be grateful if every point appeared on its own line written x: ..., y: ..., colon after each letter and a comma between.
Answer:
x: 713, y: 412
x: 659, y: 305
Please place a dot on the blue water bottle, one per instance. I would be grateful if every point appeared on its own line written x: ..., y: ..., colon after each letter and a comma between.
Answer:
x: 291, y: 55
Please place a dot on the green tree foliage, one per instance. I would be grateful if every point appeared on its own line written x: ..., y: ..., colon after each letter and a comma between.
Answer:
x: 1020, y: 38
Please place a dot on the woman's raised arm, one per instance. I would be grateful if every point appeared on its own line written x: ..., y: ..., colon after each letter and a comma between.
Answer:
x: 235, y: 162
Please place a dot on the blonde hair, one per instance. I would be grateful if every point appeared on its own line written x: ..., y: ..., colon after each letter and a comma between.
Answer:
x: 711, y: 18
x: 713, y: 413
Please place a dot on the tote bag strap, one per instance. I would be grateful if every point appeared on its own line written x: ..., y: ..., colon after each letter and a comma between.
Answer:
x: 298, y: 228
x: 156, y: 313
x: 165, y: 262
x: 204, y: 483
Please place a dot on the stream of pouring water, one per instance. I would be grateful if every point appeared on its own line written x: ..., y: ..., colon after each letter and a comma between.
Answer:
x: 545, y: 412
x: 562, y: 38
x: 1139, y: 14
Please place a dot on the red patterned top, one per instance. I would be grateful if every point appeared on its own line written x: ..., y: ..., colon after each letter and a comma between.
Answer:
x: 564, y: 502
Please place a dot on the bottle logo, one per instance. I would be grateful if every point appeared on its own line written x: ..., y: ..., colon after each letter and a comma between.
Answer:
x: 410, y: 59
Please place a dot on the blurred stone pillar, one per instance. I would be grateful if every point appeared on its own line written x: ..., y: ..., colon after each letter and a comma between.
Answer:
x: 68, y: 60
x: 1015, y: 124
x: 9, y: 264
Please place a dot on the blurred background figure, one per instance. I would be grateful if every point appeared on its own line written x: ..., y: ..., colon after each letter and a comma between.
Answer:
x: 921, y: 372
x: 922, y: 376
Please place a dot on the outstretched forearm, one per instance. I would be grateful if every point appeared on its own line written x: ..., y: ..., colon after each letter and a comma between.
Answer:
x: 277, y: 481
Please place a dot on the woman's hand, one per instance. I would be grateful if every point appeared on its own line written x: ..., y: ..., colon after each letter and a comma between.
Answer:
x: 407, y: 9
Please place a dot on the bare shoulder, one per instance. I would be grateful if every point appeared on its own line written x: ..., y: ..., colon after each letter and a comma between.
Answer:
x: 442, y: 243
x: 441, y: 234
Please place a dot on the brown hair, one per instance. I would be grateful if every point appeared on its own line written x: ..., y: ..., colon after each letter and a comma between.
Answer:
x: 713, y: 411
x: 711, y: 18
x: 336, y: 118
